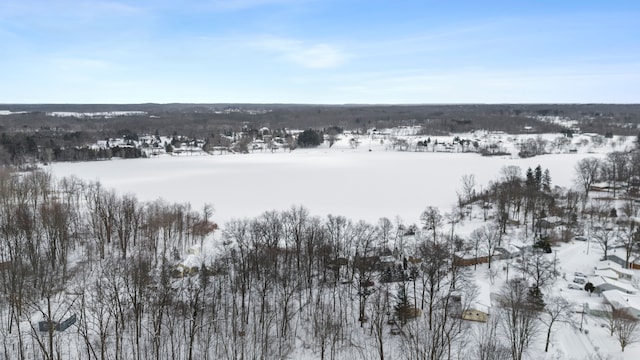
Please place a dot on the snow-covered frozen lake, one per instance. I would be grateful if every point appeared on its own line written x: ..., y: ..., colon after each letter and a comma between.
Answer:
x: 355, y: 183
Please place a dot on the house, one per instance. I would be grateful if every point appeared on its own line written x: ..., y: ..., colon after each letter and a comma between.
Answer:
x: 367, y: 263
x: 181, y: 270
x: 476, y: 312
x: 603, y: 284
x: 607, y: 273
x: 387, y: 261
x: 618, y: 260
x: 45, y: 326
x: 610, y: 265
x: 466, y: 258
x: 605, y: 186
x: 622, y: 301
x: 513, y: 250
x: 549, y: 222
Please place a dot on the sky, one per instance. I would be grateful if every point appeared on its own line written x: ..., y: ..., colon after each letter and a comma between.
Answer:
x: 319, y: 51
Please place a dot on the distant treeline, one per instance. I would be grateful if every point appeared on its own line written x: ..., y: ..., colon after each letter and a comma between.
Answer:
x: 20, y: 148
x: 30, y: 132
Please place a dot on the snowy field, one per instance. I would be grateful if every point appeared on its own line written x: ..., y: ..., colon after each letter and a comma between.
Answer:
x: 355, y: 183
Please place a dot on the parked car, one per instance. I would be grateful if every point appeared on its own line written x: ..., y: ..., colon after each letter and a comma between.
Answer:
x: 579, y: 274
x: 580, y: 238
x: 579, y: 280
x: 574, y: 286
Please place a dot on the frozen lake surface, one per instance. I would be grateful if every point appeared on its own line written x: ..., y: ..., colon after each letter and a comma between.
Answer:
x: 354, y: 183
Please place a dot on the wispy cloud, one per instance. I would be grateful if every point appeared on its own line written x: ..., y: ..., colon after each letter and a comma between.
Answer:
x: 315, y: 56
x: 68, y: 9
x: 578, y: 83
x: 235, y: 5
x: 79, y: 64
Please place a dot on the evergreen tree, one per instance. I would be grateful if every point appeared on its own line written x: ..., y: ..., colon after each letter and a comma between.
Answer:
x: 538, y: 177
x: 310, y: 138
x: 546, y: 180
x: 403, y: 306
x: 530, y: 181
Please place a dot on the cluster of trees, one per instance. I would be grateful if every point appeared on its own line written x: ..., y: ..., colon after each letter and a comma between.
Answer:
x: 279, y: 282
x: 533, y: 147
x: 310, y: 138
x: 619, y: 170
x: 20, y: 149
x: 71, y: 247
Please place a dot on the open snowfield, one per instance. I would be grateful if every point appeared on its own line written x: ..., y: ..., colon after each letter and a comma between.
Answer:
x: 356, y: 183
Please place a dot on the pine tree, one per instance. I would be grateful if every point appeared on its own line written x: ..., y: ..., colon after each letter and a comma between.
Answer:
x: 546, y: 180
x: 538, y: 177
x: 403, y: 306
x: 530, y: 181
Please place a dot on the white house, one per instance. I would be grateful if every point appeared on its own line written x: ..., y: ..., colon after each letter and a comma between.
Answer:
x: 607, y: 273
x: 603, y: 284
x: 620, y: 300
x: 610, y: 265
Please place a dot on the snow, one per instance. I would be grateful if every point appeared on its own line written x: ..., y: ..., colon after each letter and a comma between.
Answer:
x: 106, y: 114
x: 356, y: 183
x: 367, y: 183
x: 8, y: 112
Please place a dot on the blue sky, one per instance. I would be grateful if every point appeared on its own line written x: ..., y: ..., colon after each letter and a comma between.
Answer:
x: 319, y: 51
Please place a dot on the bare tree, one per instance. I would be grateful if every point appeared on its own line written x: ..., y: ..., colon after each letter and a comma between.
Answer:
x: 434, y: 266
x: 604, y: 237
x: 586, y: 174
x: 325, y: 327
x: 556, y: 309
x: 615, y: 168
x: 447, y: 331
x: 379, y: 318
x: 538, y: 268
x: 622, y: 324
x: 386, y: 227
x: 626, y: 329
x: 488, y: 341
x: 432, y: 219
x: 453, y: 218
x: 486, y: 238
x: 630, y: 238
x: 520, y: 317
x: 468, y: 189
x: 611, y: 317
